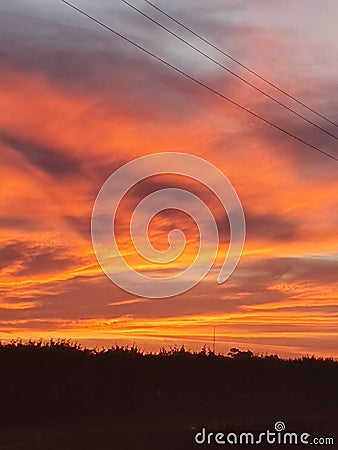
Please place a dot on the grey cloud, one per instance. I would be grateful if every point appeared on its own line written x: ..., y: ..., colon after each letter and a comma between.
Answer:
x: 68, y: 49
x: 10, y: 254
x: 33, y: 260
x: 50, y: 160
x: 301, y: 269
x: 19, y: 223
x: 40, y: 261
x: 271, y: 227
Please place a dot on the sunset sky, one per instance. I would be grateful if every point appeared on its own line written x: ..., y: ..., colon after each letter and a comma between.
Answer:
x: 78, y: 102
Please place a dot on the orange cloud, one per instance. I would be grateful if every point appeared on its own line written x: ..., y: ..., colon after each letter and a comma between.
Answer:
x: 60, y: 143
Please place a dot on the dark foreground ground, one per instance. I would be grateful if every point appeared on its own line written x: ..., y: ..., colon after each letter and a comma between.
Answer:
x: 59, y: 397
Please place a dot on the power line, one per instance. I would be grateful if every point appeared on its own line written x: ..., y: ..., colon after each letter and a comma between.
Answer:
x: 219, y: 94
x: 270, y: 83
x: 228, y: 70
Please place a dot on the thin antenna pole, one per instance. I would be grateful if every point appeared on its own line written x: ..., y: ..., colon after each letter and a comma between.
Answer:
x: 214, y: 341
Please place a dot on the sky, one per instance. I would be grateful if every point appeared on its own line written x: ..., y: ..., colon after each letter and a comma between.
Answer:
x: 78, y: 102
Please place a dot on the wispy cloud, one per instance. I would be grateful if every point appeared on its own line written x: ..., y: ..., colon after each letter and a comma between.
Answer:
x: 78, y: 104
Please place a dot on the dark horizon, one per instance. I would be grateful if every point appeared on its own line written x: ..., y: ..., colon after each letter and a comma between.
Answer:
x: 63, y: 396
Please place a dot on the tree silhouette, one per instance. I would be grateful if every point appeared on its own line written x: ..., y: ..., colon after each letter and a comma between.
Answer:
x: 58, y: 380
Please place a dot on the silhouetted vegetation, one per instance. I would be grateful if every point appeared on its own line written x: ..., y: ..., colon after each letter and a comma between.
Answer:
x: 58, y: 385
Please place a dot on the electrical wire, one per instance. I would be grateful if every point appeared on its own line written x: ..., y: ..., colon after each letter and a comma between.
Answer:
x: 200, y: 83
